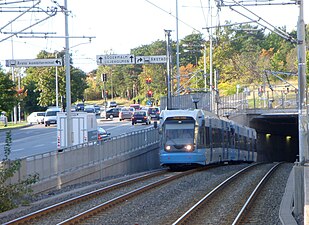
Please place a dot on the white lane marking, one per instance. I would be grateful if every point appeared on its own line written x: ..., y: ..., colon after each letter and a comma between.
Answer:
x: 18, y: 150
x: 37, y: 146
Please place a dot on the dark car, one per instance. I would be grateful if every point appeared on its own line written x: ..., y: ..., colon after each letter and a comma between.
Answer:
x: 112, y: 112
x: 97, y: 109
x: 154, y: 113
x: 103, y: 134
x: 141, y: 116
x: 79, y: 107
x: 89, y: 109
x: 111, y: 104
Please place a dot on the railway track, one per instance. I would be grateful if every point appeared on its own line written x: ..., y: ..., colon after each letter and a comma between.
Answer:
x: 162, y: 198
x: 209, y: 209
x: 91, y: 203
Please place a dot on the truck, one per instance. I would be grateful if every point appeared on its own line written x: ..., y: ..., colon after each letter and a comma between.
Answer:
x: 84, y: 128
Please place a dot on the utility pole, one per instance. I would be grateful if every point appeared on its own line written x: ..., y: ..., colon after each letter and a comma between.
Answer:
x: 302, y: 110
x: 168, y: 65
x: 68, y: 76
x: 57, y: 95
x: 205, y: 70
x: 177, y: 52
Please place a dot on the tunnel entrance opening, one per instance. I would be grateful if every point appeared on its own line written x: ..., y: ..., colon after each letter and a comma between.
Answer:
x: 277, y: 137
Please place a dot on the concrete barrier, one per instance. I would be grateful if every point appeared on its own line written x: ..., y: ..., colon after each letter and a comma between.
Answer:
x: 129, y: 153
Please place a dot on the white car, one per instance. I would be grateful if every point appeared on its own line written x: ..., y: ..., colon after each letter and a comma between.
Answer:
x: 51, y: 116
x: 36, y: 117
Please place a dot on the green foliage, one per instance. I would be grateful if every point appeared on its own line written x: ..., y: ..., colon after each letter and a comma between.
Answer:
x: 42, y: 85
x: 241, y: 54
x: 12, y: 195
x: 8, y: 94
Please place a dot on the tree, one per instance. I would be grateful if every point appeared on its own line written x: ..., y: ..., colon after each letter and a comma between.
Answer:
x: 44, y: 81
x: 12, y: 195
x: 8, y: 93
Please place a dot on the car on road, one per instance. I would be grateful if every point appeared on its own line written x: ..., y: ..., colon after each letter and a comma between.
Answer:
x: 36, y: 117
x: 79, y: 107
x: 97, y: 109
x: 136, y: 106
x: 111, y: 113
x: 141, y: 116
x: 102, y: 133
x: 154, y: 113
x: 126, y: 113
x: 111, y: 104
x: 51, y: 116
x: 89, y: 109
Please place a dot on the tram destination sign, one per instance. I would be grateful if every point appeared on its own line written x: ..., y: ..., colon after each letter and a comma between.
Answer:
x: 33, y: 62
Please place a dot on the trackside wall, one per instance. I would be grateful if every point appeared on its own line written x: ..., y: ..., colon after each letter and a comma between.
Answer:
x: 125, y: 154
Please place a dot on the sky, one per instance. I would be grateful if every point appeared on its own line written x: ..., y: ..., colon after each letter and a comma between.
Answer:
x: 117, y: 26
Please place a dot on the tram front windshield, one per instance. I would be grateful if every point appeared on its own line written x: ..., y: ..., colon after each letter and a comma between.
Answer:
x: 179, y: 133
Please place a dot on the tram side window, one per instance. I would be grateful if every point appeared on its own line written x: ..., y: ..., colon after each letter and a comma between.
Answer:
x: 216, y: 137
x: 207, y: 137
x: 237, y: 141
x: 225, y: 141
x: 201, y: 137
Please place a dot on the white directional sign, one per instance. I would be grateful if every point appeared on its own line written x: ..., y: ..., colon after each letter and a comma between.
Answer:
x: 115, y: 59
x: 152, y: 59
x: 33, y: 62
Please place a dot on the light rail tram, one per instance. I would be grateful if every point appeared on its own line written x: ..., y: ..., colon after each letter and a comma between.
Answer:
x: 197, y: 137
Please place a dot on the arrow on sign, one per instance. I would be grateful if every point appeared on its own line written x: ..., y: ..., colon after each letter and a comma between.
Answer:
x: 132, y: 58
x: 58, y: 62
x: 100, y: 60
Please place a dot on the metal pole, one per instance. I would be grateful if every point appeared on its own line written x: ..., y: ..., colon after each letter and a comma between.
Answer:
x: 57, y: 103
x: 14, y: 116
x: 67, y: 76
x: 210, y: 63
x: 19, y: 113
x: 302, y: 114
x: 168, y: 64
x: 205, y: 80
x: 177, y: 53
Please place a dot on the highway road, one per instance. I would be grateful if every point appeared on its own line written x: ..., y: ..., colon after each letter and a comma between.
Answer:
x: 38, y: 139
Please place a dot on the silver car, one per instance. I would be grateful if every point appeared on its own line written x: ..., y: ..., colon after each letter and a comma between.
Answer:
x: 126, y: 113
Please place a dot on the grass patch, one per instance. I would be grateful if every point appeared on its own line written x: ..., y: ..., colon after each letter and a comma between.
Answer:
x: 13, y: 125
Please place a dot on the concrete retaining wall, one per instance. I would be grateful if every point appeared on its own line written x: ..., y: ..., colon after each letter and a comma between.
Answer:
x: 133, y: 162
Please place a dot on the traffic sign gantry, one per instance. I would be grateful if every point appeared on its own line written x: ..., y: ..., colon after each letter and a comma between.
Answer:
x: 33, y: 62
x: 115, y: 59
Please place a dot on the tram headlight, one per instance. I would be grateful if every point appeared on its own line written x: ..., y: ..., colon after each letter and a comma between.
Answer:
x: 189, y: 148
x: 167, y: 147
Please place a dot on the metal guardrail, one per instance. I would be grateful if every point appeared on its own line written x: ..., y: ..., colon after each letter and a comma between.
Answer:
x: 271, y: 100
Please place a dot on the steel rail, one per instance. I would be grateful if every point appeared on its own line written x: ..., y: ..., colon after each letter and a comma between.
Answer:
x: 193, y: 209
x: 113, y: 202
x: 254, y: 193
x: 80, y: 198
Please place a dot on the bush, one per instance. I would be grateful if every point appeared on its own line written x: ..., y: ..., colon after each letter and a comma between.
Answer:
x: 13, y: 195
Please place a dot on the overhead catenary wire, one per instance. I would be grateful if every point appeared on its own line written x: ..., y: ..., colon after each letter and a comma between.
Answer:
x: 172, y: 16
x: 285, y: 35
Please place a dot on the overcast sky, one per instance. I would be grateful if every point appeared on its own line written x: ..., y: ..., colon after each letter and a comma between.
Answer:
x: 120, y: 25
